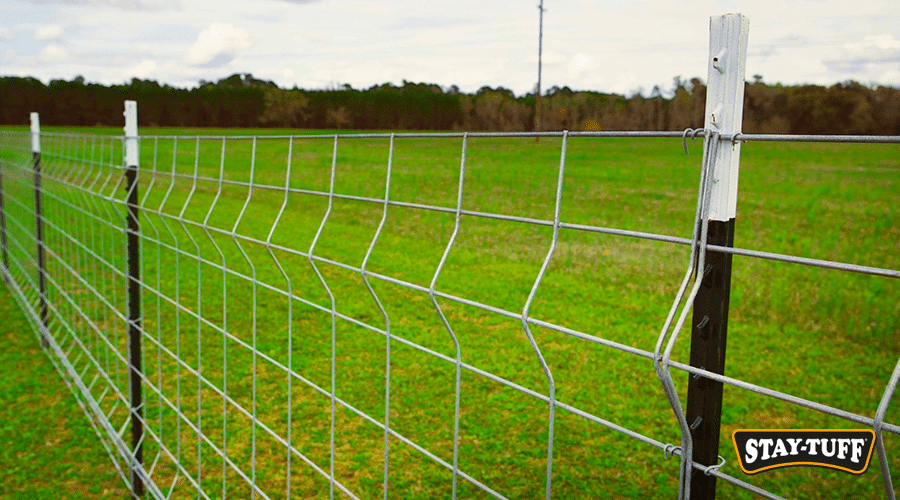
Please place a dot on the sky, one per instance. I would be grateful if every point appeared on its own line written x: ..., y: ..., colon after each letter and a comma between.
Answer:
x: 621, y: 46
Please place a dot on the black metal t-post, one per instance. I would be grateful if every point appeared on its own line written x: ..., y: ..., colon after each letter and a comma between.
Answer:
x: 134, y: 298
x: 39, y: 226
x: 709, y: 336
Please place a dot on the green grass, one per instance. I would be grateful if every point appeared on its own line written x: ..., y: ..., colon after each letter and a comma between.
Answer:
x: 50, y: 449
x: 824, y: 335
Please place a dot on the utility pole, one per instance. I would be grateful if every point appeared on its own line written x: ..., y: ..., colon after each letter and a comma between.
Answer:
x: 537, y: 105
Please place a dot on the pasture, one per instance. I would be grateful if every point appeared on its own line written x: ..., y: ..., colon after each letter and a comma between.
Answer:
x: 240, y: 346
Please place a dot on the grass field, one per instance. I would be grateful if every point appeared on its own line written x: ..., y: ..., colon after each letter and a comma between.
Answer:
x: 51, y: 451
x: 824, y: 335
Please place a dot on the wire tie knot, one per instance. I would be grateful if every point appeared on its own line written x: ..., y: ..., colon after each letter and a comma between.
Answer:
x: 669, y: 450
x: 712, y: 468
x: 693, y: 132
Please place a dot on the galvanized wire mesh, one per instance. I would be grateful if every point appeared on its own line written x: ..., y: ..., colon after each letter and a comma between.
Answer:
x: 392, y: 315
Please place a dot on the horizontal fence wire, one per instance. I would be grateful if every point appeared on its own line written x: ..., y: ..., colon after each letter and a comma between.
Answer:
x: 388, y: 315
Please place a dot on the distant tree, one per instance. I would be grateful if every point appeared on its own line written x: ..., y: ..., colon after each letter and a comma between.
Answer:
x: 337, y: 118
x: 285, y: 108
x: 497, y: 110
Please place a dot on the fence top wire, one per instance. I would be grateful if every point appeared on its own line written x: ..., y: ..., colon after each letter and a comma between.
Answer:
x: 740, y: 137
x: 864, y: 139
x: 435, y: 135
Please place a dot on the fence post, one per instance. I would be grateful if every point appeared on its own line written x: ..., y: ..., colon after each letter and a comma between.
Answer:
x: 134, y: 297
x: 724, y: 112
x: 3, y: 229
x: 39, y: 223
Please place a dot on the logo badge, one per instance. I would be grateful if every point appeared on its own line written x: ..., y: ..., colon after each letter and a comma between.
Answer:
x: 760, y: 450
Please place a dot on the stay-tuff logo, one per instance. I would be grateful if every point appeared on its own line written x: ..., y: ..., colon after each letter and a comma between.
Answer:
x: 848, y: 450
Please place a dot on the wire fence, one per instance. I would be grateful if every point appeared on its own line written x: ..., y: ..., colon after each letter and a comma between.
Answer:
x: 431, y: 315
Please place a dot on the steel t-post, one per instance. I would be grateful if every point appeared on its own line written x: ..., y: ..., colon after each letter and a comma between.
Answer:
x: 39, y: 226
x: 134, y: 297
x: 724, y: 112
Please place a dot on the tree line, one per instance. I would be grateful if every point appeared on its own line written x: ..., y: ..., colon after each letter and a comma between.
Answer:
x: 244, y: 101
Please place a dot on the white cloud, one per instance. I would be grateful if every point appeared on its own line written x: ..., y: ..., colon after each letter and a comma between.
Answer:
x: 875, y: 46
x: 121, y: 4
x: 53, y: 53
x: 873, y: 49
x: 322, y: 37
x: 218, y: 45
x: 8, y: 55
x: 48, y: 33
x: 129, y: 4
x: 891, y: 77
x: 143, y: 69
x: 7, y: 35
x: 578, y: 65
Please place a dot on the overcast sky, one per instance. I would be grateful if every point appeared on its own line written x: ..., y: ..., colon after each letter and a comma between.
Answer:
x: 605, y: 45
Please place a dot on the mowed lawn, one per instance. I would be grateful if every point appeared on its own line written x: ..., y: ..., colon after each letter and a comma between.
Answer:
x: 823, y: 335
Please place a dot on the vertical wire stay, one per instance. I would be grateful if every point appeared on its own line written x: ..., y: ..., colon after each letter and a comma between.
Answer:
x: 94, y: 201
x: 437, y: 307
x: 290, y: 298
x: 52, y: 157
x: 181, y: 221
x: 877, y: 427
x: 212, y: 240
x: 96, y: 208
x: 551, y: 419
x: 177, y: 254
x: 79, y: 198
x: 333, y: 313
x: 91, y: 175
x: 78, y: 224
x: 54, y: 161
x: 157, y: 292
x: 116, y: 247
x: 75, y: 179
x: 61, y: 235
x: 387, y: 321
x: 61, y: 231
x: 695, y: 266
x: 254, y: 352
